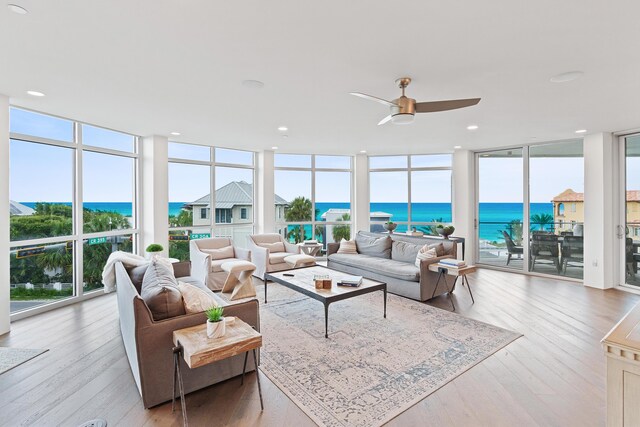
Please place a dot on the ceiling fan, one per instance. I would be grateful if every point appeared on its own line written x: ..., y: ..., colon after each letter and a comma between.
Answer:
x: 403, y: 109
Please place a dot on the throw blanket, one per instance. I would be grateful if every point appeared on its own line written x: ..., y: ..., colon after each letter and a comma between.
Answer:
x: 109, y: 271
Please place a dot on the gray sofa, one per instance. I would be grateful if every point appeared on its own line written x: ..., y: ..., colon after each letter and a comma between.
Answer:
x: 391, y: 259
x: 148, y: 342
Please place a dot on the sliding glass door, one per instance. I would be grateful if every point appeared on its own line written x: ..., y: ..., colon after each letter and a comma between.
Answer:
x: 632, y: 210
x: 556, y: 209
x: 530, y: 208
x: 500, y: 216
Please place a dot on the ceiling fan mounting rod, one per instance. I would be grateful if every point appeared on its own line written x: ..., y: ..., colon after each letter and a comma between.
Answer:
x: 403, y: 82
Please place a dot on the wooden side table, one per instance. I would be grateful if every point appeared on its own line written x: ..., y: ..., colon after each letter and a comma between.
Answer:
x: 198, y: 350
x: 310, y: 249
x: 444, y: 270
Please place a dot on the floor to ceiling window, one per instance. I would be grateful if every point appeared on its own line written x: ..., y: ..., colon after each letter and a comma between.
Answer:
x: 313, y: 197
x: 544, y: 235
x: 211, y: 193
x: 411, y: 191
x: 73, y: 202
x: 632, y: 210
x: 500, y: 222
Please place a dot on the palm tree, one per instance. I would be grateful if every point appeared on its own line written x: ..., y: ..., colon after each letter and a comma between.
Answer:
x: 342, y: 231
x: 300, y: 209
x: 541, y: 219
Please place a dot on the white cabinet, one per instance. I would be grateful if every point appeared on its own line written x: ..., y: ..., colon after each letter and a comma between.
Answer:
x: 622, y: 348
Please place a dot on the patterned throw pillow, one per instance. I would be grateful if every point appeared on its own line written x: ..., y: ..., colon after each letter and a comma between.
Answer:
x: 425, y: 253
x: 196, y: 300
x: 348, y: 247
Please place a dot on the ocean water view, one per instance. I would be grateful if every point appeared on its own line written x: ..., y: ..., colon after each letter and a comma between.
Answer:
x: 493, y: 216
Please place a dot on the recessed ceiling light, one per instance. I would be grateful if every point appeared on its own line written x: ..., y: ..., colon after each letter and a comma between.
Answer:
x: 35, y: 93
x: 581, y: 131
x: 363, y: 151
x: 253, y: 84
x: 17, y: 9
x: 283, y: 128
x: 457, y: 147
x: 566, y: 77
x: 485, y: 155
x: 175, y: 133
x: 274, y: 148
x: 472, y: 127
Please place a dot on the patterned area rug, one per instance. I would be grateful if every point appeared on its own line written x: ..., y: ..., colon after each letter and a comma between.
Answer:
x: 12, y: 357
x: 370, y: 369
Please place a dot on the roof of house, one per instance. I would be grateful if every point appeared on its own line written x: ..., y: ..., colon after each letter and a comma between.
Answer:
x: 16, y: 208
x: 569, y: 195
x: 232, y: 194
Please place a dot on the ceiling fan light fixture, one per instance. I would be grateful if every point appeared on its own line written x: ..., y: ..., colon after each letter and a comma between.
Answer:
x: 402, y: 119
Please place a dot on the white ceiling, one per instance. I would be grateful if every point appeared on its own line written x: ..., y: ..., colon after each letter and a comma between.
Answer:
x: 156, y: 66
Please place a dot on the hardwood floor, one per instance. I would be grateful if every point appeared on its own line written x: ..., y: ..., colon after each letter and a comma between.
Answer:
x: 554, y: 375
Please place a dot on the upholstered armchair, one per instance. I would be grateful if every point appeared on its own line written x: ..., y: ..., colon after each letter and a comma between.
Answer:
x: 207, y: 257
x: 268, y: 252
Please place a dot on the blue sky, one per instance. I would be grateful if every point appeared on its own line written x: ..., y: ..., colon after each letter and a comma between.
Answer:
x: 44, y: 173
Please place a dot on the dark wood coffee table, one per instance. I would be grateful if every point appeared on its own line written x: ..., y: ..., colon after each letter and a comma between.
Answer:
x: 302, y: 281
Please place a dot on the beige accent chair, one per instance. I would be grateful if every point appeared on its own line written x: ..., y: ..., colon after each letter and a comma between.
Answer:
x: 207, y: 257
x: 268, y: 252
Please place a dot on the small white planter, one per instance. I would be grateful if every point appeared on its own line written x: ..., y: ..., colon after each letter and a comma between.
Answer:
x: 216, y: 329
x: 152, y: 255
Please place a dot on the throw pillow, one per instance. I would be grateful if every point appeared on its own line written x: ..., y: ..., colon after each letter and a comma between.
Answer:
x: 425, y: 253
x: 222, y: 253
x: 273, y: 247
x: 439, y: 247
x: 196, y: 300
x: 136, y: 274
x: 348, y: 247
x: 160, y: 291
x: 374, y: 246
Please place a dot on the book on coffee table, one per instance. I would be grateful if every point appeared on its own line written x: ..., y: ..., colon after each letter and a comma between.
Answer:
x: 353, y: 281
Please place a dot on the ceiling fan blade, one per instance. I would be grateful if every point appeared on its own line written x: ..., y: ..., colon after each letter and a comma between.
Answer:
x: 452, y: 104
x: 373, y: 98
x: 385, y: 120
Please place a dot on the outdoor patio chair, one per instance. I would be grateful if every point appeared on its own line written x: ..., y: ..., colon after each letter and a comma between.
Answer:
x: 630, y: 257
x: 572, y: 251
x: 512, y: 248
x: 545, y: 247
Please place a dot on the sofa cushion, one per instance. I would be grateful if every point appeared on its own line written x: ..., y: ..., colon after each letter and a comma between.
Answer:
x: 273, y: 247
x: 160, y: 291
x: 374, y: 246
x: 278, y: 257
x: 221, y: 253
x: 196, y: 299
x: 216, y: 265
x: 387, y: 267
x: 347, y: 247
x: 404, y: 251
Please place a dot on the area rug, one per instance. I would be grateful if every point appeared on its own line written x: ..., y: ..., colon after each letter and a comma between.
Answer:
x: 11, y: 357
x: 370, y: 369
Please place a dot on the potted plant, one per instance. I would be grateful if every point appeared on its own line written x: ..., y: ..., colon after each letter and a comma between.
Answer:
x: 390, y: 226
x: 215, y: 322
x: 445, y: 230
x: 153, y: 249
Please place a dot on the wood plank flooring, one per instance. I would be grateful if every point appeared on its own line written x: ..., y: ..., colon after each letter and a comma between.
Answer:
x: 554, y: 375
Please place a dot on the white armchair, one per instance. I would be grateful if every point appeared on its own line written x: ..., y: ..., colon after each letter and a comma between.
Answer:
x: 207, y: 257
x: 268, y: 252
